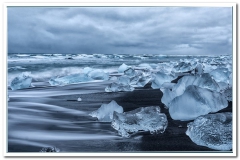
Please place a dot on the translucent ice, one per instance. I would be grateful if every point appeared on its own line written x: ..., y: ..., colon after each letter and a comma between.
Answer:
x: 124, y: 80
x: 140, y: 119
x: 228, y: 93
x: 212, y: 130
x: 79, y: 99
x: 105, y: 112
x: 203, y: 81
x: 130, y: 72
x: 22, y: 81
x: 183, y: 67
x: 160, y: 78
x: 123, y: 67
x: 220, y: 75
x: 71, y: 79
x: 116, y: 87
x: 196, y: 101
x: 86, y: 70
x: 98, y: 75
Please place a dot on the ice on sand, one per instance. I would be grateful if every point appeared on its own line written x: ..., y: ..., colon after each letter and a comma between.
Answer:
x: 203, y: 81
x: 123, y: 67
x: 105, y: 112
x: 196, y: 101
x: 220, y: 75
x: 22, y: 81
x: 79, y: 99
x: 140, y: 119
x: 98, y: 74
x: 71, y: 79
x: 160, y: 78
x: 116, y: 87
x: 213, y: 131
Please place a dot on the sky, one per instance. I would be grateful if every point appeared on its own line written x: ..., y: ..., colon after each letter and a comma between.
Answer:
x: 120, y: 30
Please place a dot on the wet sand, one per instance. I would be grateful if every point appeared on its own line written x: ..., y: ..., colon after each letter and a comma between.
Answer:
x: 78, y: 123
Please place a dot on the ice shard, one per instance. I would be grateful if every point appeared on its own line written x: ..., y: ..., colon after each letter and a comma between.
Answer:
x: 105, y: 112
x: 140, y: 119
x: 213, y: 131
x: 22, y: 81
x: 196, y: 101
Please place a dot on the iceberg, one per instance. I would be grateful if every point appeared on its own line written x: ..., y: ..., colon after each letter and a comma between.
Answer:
x: 196, y: 101
x: 140, y: 119
x: 123, y: 67
x: 203, y: 81
x: 98, y: 75
x: 213, y: 131
x: 105, y: 112
x: 160, y: 78
x: 22, y: 81
x: 116, y: 87
x: 71, y: 79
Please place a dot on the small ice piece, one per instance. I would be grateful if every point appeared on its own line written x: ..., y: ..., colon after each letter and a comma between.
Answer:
x: 145, y: 66
x: 22, y: 81
x: 130, y: 72
x: 123, y: 67
x: 50, y: 149
x: 113, y: 78
x: 105, y: 112
x: 196, y: 101
x: 124, y: 80
x: 160, y: 78
x: 86, y: 70
x: 140, y: 119
x: 116, y: 87
x: 220, y: 75
x: 79, y: 99
x: 228, y: 93
x: 71, y: 79
x: 199, y: 69
x: 213, y: 131
x: 98, y: 75
x: 167, y: 85
x: 142, y: 81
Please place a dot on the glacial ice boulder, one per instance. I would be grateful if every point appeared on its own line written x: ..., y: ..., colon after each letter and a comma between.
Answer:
x: 116, y: 87
x: 203, y: 81
x: 22, y: 81
x: 130, y: 72
x: 140, y: 119
x: 140, y: 81
x: 196, y: 101
x: 160, y: 78
x: 105, y: 112
x: 183, y: 67
x: 213, y: 131
x: 220, y: 75
x: 98, y: 74
x: 123, y: 67
x: 70, y: 79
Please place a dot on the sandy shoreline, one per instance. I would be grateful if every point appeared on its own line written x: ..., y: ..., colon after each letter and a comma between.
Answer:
x: 173, y: 139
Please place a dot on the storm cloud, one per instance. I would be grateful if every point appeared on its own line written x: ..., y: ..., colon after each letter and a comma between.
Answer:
x: 120, y: 30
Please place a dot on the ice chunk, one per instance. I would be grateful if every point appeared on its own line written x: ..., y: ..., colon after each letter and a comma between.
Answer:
x: 123, y: 67
x: 222, y: 86
x: 105, y: 112
x: 167, y: 85
x: 124, y: 80
x: 196, y: 101
x: 140, y: 119
x: 228, y: 93
x: 113, y: 78
x: 98, y: 75
x: 79, y: 99
x: 183, y: 67
x: 71, y: 79
x: 160, y: 78
x: 22, y: 81
x: 230, y: 79
x: 116, y: 87
x: 141, y: 82
x: 220, y: 75
x: 50, y: 149
x: 130, y: 72
x: 213, y: 131
x: 145, y: 66
x: 199, y: 69
x: 86, y: 70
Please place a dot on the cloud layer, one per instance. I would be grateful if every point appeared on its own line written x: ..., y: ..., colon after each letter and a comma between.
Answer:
x: 120, y: 30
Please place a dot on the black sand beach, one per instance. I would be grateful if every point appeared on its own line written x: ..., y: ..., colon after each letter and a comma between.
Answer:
x: 76, y: 131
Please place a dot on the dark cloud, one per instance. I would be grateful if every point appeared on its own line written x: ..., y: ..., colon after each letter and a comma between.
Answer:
x: 118, y: 30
